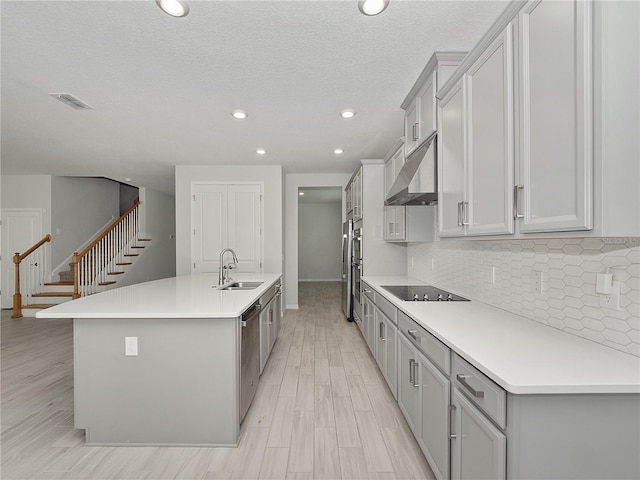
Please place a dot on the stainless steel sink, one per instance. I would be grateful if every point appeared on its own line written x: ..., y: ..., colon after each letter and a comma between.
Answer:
x: 241, y: 286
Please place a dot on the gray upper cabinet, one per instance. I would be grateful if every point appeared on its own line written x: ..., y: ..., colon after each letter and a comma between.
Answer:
x: 556, y: 160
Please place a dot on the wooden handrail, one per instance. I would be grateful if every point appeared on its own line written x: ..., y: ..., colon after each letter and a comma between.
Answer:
x: 106, y: 232
x: 79, y: 258
x: 17, y: 259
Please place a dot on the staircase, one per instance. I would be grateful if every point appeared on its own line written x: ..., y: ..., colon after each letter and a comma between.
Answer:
x: 95, y: 269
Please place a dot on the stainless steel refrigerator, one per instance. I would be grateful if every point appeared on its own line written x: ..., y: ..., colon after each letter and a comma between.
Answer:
x: 347, y: 279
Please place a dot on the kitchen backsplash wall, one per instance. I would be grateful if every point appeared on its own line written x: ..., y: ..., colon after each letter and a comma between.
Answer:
x: 568, y: 300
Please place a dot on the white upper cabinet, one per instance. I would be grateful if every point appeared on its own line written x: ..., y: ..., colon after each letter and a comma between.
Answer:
x: 490, y: 140
x: 420, y: 116
x: 556, y: 158
x: 476, y: 142
x: 420, y: 103
x: 451, y: 162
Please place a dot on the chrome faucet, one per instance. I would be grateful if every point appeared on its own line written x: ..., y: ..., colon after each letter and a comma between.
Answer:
x: 223, y: 269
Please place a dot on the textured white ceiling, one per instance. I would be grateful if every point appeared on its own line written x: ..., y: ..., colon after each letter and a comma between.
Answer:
x: 162, y: 88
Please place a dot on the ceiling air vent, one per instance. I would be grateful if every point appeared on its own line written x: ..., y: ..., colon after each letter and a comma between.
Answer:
x: 72, y: 101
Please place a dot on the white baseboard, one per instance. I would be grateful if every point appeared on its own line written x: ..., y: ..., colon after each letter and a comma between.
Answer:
x: 293, y: 306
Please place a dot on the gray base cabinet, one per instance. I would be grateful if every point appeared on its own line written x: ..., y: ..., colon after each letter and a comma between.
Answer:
x: 386, y: 349
x: 478, y: 448
x: 468, y: 427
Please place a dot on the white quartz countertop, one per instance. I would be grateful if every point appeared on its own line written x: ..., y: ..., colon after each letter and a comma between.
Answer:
x: 187, y: 296
x: 519, y: 354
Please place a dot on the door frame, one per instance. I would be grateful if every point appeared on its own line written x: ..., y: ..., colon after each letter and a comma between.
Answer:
x: 7, y: 257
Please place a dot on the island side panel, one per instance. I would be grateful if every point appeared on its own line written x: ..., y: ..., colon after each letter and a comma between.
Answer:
x: 181, y: 389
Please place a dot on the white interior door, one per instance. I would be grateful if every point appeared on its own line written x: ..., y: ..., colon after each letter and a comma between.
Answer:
x: 21, y: 229
x: 245, y: 226
x: 208, y: 215
x: 226, y: 216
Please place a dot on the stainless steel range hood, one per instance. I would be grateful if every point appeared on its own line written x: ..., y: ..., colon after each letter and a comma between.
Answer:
x: 417, y: 182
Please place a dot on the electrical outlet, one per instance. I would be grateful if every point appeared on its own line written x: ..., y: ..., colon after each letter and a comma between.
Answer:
x: 538, y: 282
x: 612, y: 299
x: 131, y: 346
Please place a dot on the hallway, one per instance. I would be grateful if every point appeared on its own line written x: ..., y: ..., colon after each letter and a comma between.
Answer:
x: 322, y: 410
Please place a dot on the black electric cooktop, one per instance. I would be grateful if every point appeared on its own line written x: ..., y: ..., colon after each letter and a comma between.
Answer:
x: 422, y: 293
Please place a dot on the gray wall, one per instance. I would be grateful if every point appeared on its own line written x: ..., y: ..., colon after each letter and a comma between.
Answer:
x: 319, y: 241
x: 157, y: 222
x: 80, y: 208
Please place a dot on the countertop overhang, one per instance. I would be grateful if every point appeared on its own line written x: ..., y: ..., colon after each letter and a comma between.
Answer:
x: 519, y: 354
x: 187, y: 296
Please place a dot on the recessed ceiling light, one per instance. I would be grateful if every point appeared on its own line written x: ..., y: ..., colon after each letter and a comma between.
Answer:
x: 348, y: 113
x: 301, y: 193
x: 127, y: 179
x: 338, y: 151
x: 239, y: 114
x: 261, y: 151
x: 372, y: 7
x: 175, y: 8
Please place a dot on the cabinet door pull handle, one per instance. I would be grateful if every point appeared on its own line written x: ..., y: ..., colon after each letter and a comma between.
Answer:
x: 459, y: 214
x: 463, y: 381
x: 452, y: 409
x: 415, y: 131
x: 517, y: 201
x: 411, y: 362
x: 415, y: 375
x: 465, y: 210
x: 412, y: 334
x: 382, y: 331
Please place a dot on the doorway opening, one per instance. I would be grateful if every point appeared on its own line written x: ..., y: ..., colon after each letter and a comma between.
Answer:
x: 319, y: 234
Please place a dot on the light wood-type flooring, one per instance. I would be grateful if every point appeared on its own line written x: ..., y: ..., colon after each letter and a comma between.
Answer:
x: 322, y: 410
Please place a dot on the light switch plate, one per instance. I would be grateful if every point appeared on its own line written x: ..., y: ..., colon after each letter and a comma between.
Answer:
x: 538, y: 282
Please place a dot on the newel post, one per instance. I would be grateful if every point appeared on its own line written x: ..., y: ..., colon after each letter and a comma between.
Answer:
x: 17, y: 296
x: 76, y: 276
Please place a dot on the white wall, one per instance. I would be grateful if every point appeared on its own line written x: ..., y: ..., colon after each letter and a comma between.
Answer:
x: 80, y: 207
x: 158, y: 223
x: 293, y: 182
x: 320, y: 241
x: 28, y: 191
x: 269, y: 176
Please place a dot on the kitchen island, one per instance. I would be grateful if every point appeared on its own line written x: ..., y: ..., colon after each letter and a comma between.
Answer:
x: 158, y: 363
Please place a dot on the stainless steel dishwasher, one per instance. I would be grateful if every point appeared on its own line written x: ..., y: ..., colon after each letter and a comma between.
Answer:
x: 249, y: 357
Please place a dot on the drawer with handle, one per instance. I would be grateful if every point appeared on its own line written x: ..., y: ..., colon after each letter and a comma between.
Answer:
x: 429, y: 345
x: 368, y: 291
x: 386, y: 307
x: 481, y: 390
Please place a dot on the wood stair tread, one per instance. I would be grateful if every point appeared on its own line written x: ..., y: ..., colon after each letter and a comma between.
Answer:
x: 102, y: 284
x: 121, y: 264
x: 137, y: 246
x: 39, y: 305
x: 115, y: 273
x: 131, y: 255
x: 58, y: 284
x: 144, y: 239
x: 53, y: 294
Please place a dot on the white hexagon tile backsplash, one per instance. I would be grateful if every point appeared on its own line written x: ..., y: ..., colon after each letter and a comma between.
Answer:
x: 503, y: 273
